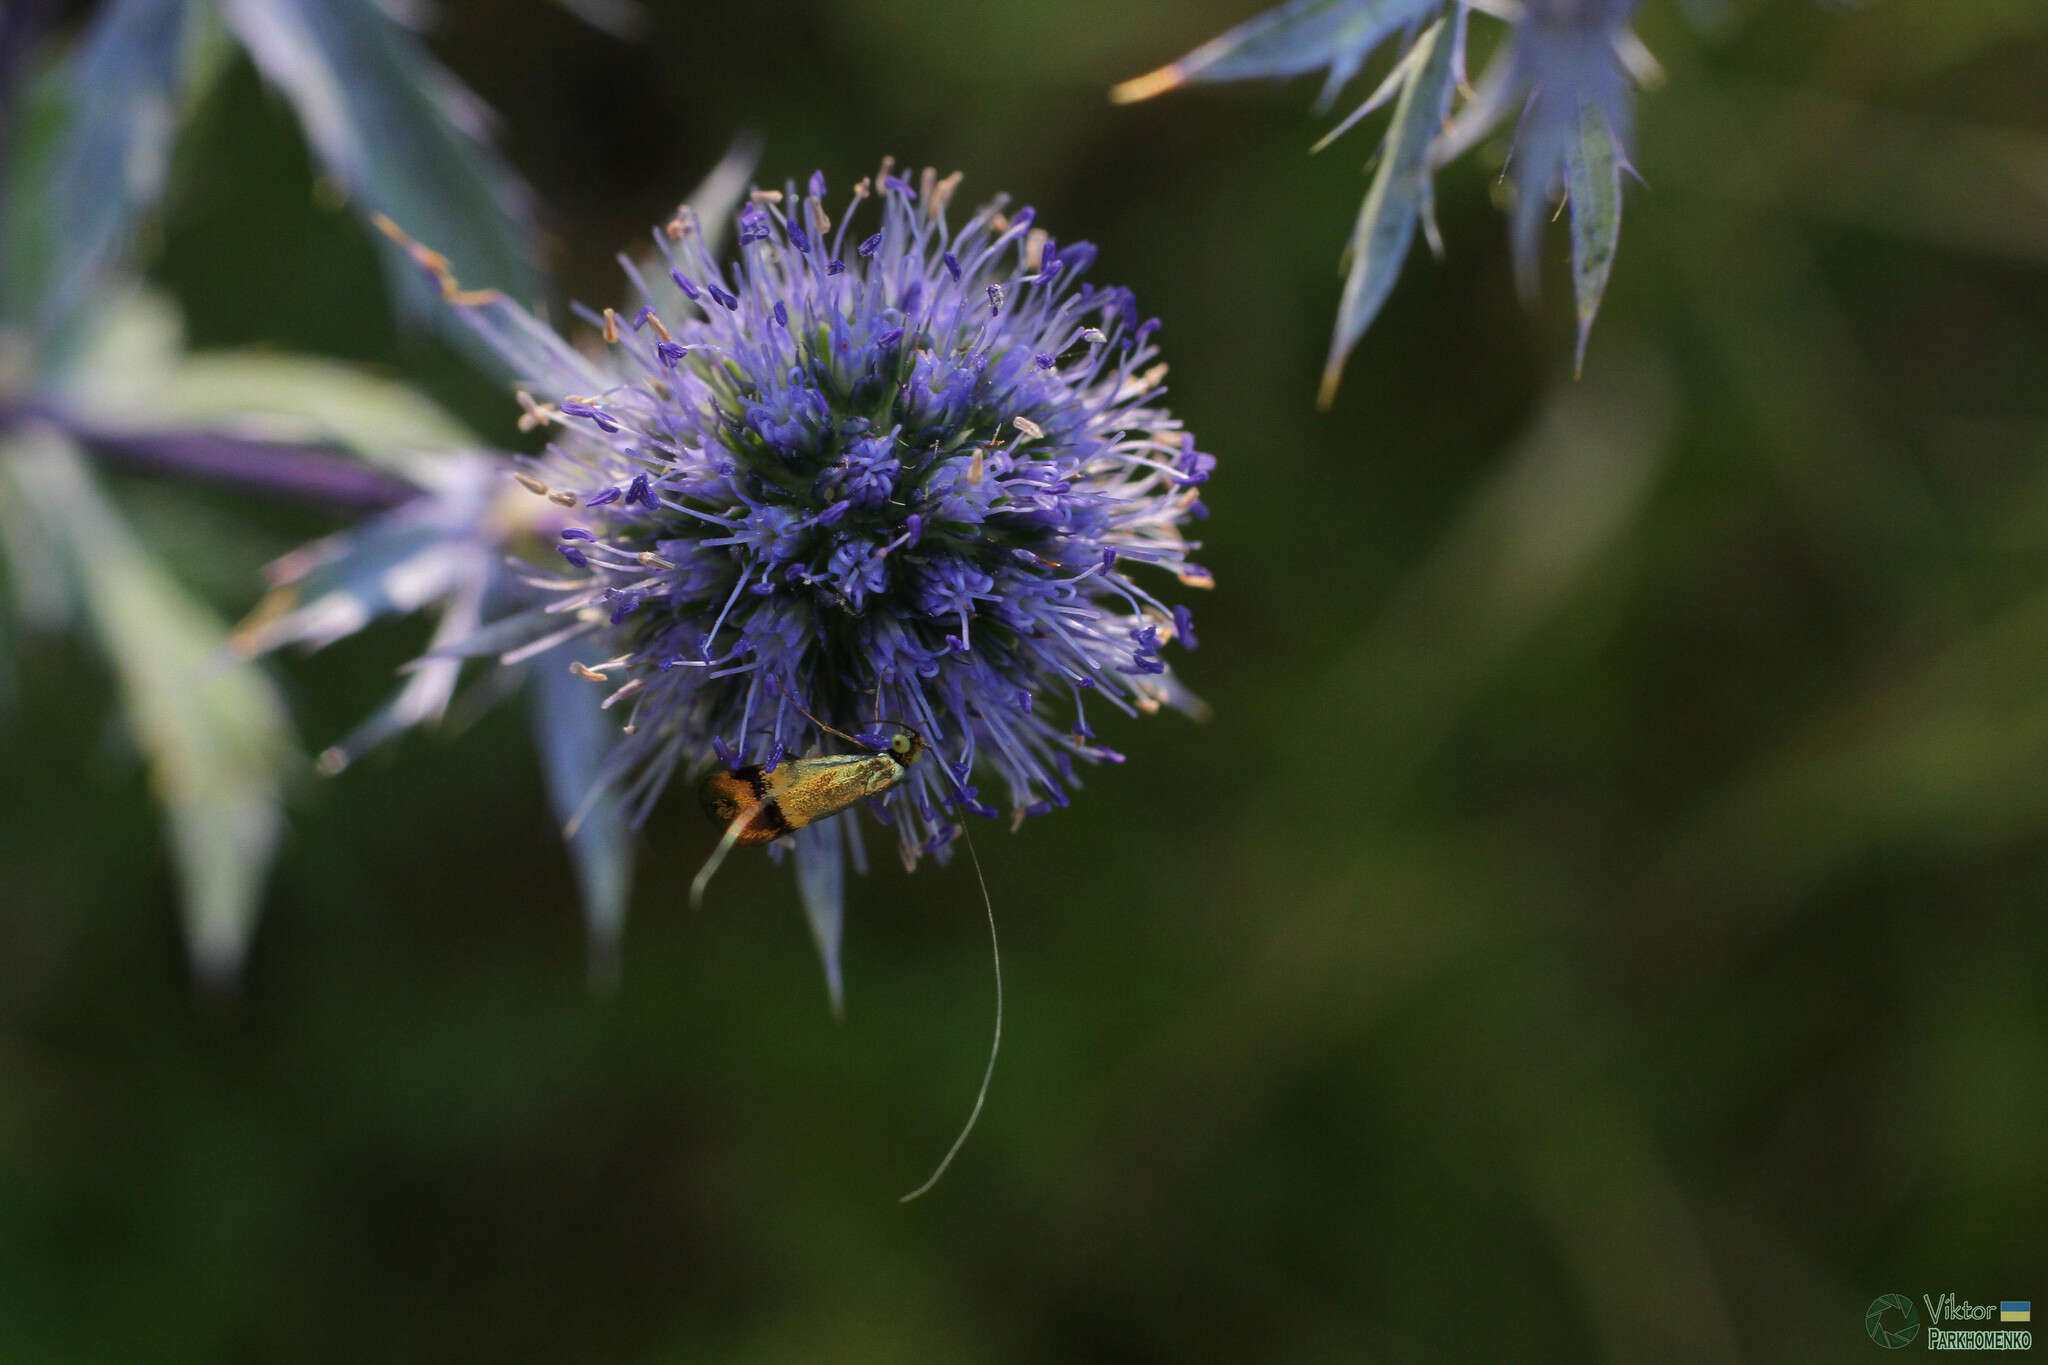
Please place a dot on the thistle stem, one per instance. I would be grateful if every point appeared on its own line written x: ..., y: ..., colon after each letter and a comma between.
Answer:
x: 286, y: 471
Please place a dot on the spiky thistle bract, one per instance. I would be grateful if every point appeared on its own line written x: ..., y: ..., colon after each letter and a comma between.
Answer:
x: 1566, y: 65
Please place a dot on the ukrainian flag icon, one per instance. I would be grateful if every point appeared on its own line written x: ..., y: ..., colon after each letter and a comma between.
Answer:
x: 2016, y: 1310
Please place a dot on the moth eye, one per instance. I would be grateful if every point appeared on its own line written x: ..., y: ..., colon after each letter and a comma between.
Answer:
x: 900, y: 745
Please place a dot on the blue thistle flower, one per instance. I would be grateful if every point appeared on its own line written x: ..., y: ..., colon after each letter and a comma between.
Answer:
x: 1568, y: 66
x: 875, y: 473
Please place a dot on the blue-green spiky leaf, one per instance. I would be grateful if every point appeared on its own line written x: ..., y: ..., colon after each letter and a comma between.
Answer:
x: 1593, y: 182
x: 214, y: 731
x: 1394, y: 203
x: 1290, y: 40
x: 123, y: 99
x: 397, y: 131
x: 575, y: 738
x: 821, y: 882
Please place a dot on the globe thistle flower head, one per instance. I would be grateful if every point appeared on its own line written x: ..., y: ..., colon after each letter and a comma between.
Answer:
x: 878, y: 472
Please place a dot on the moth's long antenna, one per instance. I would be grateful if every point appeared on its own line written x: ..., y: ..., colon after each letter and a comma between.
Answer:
x: 811, y: 718
x: 995, y: 1043
x: 725, y: 846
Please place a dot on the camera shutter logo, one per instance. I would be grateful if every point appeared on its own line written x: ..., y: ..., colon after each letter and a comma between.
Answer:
x: 1873, y: 1321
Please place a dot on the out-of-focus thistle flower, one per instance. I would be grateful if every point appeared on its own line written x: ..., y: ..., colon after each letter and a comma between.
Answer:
x: 885, y: 472
x: 1565, y: 68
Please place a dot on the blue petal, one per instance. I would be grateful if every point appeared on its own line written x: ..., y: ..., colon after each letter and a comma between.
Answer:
x: 821, y: 880
x: 1297, y: 37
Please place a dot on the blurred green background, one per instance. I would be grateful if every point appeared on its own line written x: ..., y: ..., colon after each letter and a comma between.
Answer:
x: 1602, y: 921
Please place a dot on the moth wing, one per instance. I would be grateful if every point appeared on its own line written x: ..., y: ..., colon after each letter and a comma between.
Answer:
x: 751, y: 793
x: 820, y: 787
x: 725, y: 794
